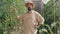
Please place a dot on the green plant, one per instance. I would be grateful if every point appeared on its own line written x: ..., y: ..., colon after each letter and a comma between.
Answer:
x: 7, y: 18
x: 45, y: 29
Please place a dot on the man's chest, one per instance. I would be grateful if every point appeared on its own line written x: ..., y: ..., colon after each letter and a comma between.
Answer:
x: 29, y: 17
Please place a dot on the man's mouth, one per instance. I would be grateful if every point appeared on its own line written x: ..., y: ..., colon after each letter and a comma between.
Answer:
x: 29, y: 9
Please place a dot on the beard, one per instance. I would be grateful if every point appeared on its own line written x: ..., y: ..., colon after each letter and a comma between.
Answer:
x: 29, y: 9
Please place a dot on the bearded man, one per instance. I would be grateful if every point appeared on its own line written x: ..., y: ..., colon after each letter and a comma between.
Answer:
x: 31, y: 20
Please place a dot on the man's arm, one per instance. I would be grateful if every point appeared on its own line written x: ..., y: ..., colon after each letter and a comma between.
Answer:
x: 40, y: 19
x: 17, y: 17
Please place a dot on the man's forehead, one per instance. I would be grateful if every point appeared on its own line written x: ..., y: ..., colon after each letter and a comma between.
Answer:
x: 28, y: 4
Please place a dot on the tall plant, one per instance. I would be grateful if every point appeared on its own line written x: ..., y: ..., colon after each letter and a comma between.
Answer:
x: 7, y: 18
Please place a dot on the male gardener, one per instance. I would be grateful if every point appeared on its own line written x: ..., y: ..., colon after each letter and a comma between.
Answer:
x: 31, y: 20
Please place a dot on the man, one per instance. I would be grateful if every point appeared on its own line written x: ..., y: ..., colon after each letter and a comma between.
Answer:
x: 31, y: 20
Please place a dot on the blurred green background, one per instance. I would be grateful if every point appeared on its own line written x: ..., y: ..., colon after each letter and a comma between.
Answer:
x: 10, y: 25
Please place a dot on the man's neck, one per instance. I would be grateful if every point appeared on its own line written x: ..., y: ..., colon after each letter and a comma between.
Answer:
x: 30, y: 11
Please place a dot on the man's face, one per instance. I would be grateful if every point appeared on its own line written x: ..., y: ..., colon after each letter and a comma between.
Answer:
x: 29, y: 6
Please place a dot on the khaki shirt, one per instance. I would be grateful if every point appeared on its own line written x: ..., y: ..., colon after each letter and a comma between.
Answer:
x: 29, y: 19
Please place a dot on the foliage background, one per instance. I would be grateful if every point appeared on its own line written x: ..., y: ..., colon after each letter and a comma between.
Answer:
x: 9, y: 23
x: 52, y: 18
x: 8, y: 20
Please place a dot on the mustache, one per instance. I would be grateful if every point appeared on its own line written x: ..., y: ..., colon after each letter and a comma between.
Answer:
x: 29, y: 8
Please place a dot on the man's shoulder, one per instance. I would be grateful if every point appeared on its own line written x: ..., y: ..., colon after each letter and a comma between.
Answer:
x: 36, y: 12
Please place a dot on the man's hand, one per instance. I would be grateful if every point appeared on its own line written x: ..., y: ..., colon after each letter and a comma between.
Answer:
x: 18, y: 17
x: 36, y: 25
